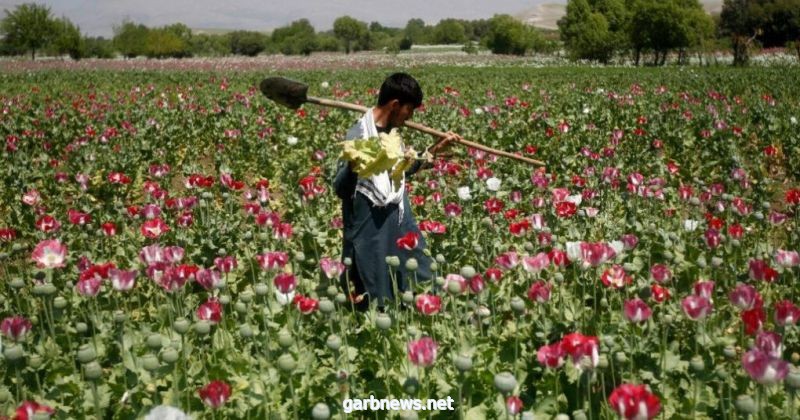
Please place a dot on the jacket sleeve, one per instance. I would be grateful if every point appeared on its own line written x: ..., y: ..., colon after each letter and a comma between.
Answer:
x: 344, y: 182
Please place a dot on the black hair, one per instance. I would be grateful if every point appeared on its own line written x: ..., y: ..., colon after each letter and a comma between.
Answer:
x: 402, y: 87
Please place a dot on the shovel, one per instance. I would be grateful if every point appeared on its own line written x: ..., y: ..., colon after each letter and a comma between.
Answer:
x: 294, y: 94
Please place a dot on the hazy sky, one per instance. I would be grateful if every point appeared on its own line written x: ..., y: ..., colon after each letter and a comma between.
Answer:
x: 96, y: 17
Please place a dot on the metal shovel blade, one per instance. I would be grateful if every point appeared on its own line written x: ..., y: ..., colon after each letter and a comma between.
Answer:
x: 284, y: 91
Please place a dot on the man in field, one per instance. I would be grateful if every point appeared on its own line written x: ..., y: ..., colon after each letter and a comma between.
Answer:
x: 376, y: 213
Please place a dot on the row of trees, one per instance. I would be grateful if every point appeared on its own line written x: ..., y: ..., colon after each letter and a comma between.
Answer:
x: 31, y: 28
x: 602, y: 29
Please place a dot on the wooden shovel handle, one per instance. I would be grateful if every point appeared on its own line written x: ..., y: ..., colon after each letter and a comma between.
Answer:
x: 425, y: 129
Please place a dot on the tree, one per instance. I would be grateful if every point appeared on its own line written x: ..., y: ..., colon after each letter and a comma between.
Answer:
x: 99, y: 47
x: 162, y: 43
x: 416, y: 31
x: 507, y: 35
x: 67, y: 39
x: 449, y: 31
x: 586, y: 33
x: 210, y: 45
x: 130, y: 39
x: 299, y: 37
x: 349, y: 30
x: 247, y: 43
x: 737, y: 23
x: 29, y: 27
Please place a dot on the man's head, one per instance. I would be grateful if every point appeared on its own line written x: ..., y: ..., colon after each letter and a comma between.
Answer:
x: 399, y: 95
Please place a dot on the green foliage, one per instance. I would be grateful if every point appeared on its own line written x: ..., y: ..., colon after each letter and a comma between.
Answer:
x: 27, y: 28
x: 299, y: 37
x: 350, y: 30
x: 163, y: 43
x: 67, y: 39
x: 130, y: 39
x: 210, y: 45
x: 507, y: 35
x: 449, y: 31
x: 249, y: 43
x: 99, y: 47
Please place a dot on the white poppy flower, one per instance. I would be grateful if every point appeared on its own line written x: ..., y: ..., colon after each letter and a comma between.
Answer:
x: 464, y: 193
x: 493, y: 184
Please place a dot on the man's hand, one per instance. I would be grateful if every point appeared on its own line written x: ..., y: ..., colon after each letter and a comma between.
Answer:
x: 444, y: 144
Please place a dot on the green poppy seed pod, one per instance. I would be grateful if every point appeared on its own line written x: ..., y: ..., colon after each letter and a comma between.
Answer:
x: 5, y: 396
x: 181, y: 325
x: 668, y: 318
x: 225, y: 299
x: 505, y: 382
x: 434, y: 266
x: 561, y: 416
x: 579, y: 415
x: 477, y: 249
x: 383, y: 321
x: 454, y: 287
x: 463, y: 362
x: 81, y: 327
x: 202, y: 327
x: 261, y: 289
x: 246, y: 331
x: 326, y: 306
x: 285, y: 339
x: 439, y: 281
x: 795, y: 357
x: 17, y: 283
x: 413, y: 332
x: 93, y: 371
x: 792, y: 379
x: 240, y: 308
x: 602, y: 361
x: 701, y: 262
x: 248, y: 235
x: 347, y: 262
x: 745, y: 404
x: 59, y: 302
x: 331, y: 291
x: 440, y: 259
x: 13, y: 352
x: 721, y: 373
x: 170, y: 355
x: 321, y: 411
x: 668, y: 254
x: 4, y: 255
x: 603, y: 303
x: 206, y: 195
x: 340, y: 298
x: 393, y: 261
x: 408, y: 296
x: 286, y: 363
x: 334, y: 342
x: 263, y: 236
x: 558, y: 277
x: 299, y: 256
x: 150, y: 362
x: 246, y: 296
x: 120, y: 317
x: 154, y: 341
x: 468, y: 271
x: 697, y: 364
x: 517, y: 304
x: 487, y: 222
x: 38, y: 290
x: 411, y: 385
x: 528, y: 247
x: 620, y: 357
x: 729, y: 352
x: 35, y: 361
x: 412, y: 264
x: 716, y: 261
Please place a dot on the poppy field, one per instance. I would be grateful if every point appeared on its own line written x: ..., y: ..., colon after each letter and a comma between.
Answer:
x: 171, y: 238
